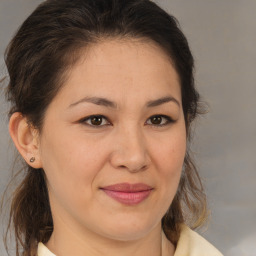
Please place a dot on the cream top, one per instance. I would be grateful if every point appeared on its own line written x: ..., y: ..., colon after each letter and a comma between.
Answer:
x: 189, y: 244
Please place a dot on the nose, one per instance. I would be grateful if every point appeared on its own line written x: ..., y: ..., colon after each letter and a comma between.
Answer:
x: 130, y: 151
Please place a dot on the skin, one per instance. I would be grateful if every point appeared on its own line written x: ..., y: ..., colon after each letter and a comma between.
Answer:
x: 79, y: 158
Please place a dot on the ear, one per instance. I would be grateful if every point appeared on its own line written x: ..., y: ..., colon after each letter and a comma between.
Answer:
x: 25, y: 138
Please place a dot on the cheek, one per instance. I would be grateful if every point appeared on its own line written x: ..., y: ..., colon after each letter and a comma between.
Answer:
x: 169, y: 152
x: 169, y: 158
x: 72, y: 164
x: 69, y: 153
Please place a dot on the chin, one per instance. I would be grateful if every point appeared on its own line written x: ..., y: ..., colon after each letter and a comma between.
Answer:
x: 130, y: 230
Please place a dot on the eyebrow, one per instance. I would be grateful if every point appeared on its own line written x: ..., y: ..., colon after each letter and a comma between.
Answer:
x: 110, y: 104
x: 97, y: 101
x: 157, y: 102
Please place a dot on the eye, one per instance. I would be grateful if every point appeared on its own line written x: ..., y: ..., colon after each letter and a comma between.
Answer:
x: 95, y: 120
x: 160, y: 120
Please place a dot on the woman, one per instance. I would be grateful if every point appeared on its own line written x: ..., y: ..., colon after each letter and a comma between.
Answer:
x: 103, y: 98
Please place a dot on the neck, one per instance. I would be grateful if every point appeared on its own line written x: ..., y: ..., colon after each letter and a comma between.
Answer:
x: 67, y: 241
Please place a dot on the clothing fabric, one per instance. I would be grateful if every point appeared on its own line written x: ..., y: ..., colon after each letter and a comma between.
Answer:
x: 189, y: 244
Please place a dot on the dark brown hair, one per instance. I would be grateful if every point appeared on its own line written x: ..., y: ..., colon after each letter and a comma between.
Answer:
x: 45, y: 47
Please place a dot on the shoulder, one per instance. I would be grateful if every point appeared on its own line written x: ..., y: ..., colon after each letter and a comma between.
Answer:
x: 192, y: 244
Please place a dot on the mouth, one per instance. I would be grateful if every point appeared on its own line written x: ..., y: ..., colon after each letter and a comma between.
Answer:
x: 128, y: 194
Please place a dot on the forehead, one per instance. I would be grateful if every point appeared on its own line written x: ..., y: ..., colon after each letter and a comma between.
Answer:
x: 122, y: 66
x: 125, y: 54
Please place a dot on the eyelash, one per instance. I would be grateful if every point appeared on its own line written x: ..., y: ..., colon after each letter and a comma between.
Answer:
x: 168, y: 121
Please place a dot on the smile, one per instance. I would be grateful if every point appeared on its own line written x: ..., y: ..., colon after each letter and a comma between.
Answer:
x: 129, y: 194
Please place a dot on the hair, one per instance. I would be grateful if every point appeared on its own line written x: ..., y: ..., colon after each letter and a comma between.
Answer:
x: 38, y: 58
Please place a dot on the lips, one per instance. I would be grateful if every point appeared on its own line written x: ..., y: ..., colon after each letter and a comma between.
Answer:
x: 129, y: 194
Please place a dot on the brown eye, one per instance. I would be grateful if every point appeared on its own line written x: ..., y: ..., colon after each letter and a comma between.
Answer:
x: 160, y: 120
x: 95, y: 121
x: 156, y: 120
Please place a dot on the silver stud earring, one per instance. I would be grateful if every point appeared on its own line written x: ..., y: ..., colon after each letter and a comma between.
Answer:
x: 32, y: 160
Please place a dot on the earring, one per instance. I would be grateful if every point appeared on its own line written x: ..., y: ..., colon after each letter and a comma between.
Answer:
x: 32, y: 160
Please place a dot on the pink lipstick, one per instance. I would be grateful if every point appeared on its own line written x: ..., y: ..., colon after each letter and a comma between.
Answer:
x: 129, y: 194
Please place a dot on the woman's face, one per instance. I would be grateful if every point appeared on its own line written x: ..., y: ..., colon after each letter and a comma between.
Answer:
x: 114, y: 140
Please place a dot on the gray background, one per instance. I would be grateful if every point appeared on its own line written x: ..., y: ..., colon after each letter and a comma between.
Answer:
x: 222, y: 36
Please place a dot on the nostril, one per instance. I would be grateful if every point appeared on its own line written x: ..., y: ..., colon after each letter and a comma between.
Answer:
x: 144, y: 167
x: 133, y: 169
x: 130, y: 157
